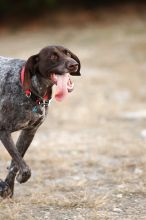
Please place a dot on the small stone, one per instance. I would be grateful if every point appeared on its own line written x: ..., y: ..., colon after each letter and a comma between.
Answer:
x: 143, y: 133
x: 135, y: 115
x: 122, y: 186
x: 138, y: 171
x: 117, y: 209
x: 119, y: 196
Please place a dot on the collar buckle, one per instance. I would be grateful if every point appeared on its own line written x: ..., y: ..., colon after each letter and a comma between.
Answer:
x: 28, y: 93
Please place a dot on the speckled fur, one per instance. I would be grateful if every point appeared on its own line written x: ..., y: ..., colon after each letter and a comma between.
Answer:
x: 16, y: 114
x: 16, y: 109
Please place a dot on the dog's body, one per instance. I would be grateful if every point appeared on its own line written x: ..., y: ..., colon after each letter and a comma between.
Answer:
x: 20, y: 111
x: 15, y: 108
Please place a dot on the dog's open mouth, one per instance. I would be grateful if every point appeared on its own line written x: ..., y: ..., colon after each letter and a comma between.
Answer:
x: 64, y: 85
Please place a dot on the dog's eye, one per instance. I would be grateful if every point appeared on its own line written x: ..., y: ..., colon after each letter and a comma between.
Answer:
x: 67, y: 53
x: 54, y: 57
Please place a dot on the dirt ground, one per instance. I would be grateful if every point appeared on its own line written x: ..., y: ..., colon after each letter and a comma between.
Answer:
x: 88, y: 159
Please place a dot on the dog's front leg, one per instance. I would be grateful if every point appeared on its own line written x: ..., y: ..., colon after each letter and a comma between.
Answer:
x: 24, y: 171
x: 22, y: 145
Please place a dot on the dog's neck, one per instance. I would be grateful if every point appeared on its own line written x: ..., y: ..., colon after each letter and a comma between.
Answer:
x: 40, y: 86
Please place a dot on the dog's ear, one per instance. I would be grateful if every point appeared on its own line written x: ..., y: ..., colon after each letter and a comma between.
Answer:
x: 77, y: 73
x: 30, y: 69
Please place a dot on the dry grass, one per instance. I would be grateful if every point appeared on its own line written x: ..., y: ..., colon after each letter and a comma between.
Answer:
x: 88, y: 159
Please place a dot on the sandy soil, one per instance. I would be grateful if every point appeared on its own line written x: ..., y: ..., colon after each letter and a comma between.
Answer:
x: 88, y: 159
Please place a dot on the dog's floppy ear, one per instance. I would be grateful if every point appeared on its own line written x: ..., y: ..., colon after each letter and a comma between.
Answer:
x: 29, y: 71
x: 77, y: 73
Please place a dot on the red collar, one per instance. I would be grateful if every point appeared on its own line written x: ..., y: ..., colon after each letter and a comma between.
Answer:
x: 28, y: 91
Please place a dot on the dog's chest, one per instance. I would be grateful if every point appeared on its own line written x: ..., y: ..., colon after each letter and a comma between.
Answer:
x: 33, y: 117
x: 17, y: 112
x: 38, y: 114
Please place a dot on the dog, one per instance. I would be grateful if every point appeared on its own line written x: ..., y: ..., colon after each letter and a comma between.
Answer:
x: 25, y: 93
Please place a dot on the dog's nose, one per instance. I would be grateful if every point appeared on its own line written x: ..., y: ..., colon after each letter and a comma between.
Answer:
x: 72, y: 65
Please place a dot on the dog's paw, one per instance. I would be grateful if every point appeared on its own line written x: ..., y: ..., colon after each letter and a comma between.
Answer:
x: 5, y: 190
x: 23, y: 175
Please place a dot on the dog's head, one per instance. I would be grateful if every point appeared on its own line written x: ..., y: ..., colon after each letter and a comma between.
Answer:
x: 51, y: 63
x: 52, y: 60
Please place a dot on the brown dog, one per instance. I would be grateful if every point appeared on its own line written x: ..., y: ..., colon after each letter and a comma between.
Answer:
x: 25, y: 91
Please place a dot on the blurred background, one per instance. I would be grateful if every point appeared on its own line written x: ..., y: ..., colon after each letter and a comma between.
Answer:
x: 37, y: 7
x: 88, y: 158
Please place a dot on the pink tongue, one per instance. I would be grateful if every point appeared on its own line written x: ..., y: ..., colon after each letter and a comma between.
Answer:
x: 62, y: 90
